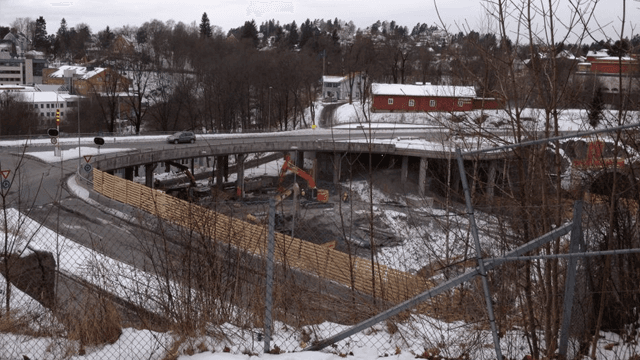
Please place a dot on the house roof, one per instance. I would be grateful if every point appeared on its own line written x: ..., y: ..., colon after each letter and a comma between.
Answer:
x: 422, y: 90
x: 81, y: 71
x: 47, y: 96
x: 332, y: 78
x: 339, y: 78
x: 45, y: 87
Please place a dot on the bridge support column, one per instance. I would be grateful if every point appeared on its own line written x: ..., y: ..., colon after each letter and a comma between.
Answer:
x: 240, y: 177
x: 225, y: 167
x: 405, y: 170
x: 128, y: 173
x: 337, y: 162
x: 148, y: 174
x: 311, y: 155
x: 491, y: 181
x: 192, y: 165
x: 219, y: 171
x: 299, y: 159
x: 422, y: 176
x: 456, y: 177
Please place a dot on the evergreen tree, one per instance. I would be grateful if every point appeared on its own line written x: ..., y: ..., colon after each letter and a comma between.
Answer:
x: 62, y: 39
x: 250, y: 32
x: 4, y: 30
x: 595, y: 108
x: 106, y: 37
x: 619, y: 48
x: 306, y: 32
x: 293, y: 34
x: 141, y: 36
x: 63, y: 29
x: 41, y: 41
x: 205, y: 27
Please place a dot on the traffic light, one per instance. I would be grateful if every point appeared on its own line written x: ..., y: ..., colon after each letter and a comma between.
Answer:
x: 57, y: 116
x: 52, y: 132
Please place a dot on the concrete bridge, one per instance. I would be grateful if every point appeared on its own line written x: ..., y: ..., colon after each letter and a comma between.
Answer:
x: 332, y: 155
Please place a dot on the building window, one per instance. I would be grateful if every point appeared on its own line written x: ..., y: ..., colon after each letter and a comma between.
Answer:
x: 47, y: 106
x: 412, y: 102
x: 390, y: 101
x: 432, y: 103
x: 48, y: 114
x: 61, y: 105
x: 61, y: 114
x: 42, y: 106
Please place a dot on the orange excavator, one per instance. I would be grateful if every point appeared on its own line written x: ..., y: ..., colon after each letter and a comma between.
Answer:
x: 320, y: 195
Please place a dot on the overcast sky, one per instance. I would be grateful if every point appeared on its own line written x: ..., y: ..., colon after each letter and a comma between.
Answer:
x: 231, y: 14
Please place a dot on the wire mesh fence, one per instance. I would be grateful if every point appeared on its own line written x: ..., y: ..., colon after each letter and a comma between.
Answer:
x: 128, y: 273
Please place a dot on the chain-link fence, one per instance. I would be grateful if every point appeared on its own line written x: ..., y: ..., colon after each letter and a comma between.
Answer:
x: 96, y: 266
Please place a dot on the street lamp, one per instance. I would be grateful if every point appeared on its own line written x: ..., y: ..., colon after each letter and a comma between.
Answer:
x: 269, y: 115
x: 78, y: 110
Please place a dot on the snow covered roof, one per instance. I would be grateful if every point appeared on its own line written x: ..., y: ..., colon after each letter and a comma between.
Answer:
x: 339, y: 78
x: 47, y: 97
x: 332, y: 78
x: 46, y: 87
x: 423, y: 90
x: 597, y: 54
x: 615, y: 58
x: 81, y: 71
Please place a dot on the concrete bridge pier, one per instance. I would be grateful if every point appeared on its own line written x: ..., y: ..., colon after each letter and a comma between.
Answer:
x: 240, y: 175
x: 128, y: 173
x: 337, y: 168
x: 422, y: 176
x: 491, y: 179
x: 311, y: 155
x: 219, y: 171
x: 299, y: 159
x: 405, y: 170
x: 148, y: 174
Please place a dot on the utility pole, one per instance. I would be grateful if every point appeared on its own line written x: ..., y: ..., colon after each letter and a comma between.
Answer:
x: 269, y: 115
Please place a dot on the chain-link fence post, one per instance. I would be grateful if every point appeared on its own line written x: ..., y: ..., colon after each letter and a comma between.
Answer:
x: 269, y: 295
x: 483, y: 272
x: 570, y: 282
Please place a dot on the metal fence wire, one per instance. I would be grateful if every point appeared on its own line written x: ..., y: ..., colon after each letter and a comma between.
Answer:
x: 111, y: 269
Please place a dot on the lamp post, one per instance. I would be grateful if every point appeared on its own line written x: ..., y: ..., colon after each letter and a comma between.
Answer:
x: 269, y: 115
x: 79, y: 154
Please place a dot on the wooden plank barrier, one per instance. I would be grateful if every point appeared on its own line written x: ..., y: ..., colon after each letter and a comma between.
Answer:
x: 390, y: 284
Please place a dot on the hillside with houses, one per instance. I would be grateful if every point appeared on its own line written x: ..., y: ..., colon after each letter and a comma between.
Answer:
x: 173, y: 76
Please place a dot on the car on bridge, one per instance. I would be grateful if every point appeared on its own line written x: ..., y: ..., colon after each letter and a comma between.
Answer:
x: 182, y: 137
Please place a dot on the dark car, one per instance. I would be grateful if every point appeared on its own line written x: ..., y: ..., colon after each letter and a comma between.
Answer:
x: 182, y: 137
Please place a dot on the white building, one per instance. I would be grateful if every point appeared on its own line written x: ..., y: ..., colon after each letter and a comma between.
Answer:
x: 47, y: 103
x: 336, y: 88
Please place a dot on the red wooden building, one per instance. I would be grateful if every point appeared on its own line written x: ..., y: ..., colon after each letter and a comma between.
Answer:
x: 427, y: 97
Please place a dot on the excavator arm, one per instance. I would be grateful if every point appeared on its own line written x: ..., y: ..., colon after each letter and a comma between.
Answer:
x: 317, y: 194
x: 289, y: 166
x: 184, y: 169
